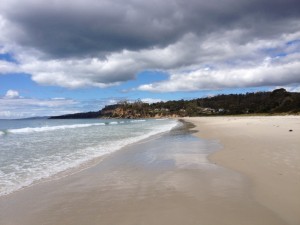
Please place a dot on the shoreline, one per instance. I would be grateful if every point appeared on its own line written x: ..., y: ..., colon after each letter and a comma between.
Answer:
x: 164, y: 181
x: 266, y: 150
x: 85, y: 164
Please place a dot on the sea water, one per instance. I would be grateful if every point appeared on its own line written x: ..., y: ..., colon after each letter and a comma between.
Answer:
x: 32, y: 150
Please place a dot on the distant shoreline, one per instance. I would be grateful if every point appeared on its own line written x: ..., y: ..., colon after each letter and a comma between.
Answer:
x: 276, y: 102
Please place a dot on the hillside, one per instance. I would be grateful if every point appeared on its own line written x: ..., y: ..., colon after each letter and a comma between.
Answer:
x: 277, y: 101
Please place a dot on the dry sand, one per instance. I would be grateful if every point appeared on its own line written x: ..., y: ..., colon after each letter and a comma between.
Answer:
x: 266, y: 151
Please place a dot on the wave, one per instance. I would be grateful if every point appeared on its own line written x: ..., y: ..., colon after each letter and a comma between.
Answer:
x: 137, y: 121
x: 51, y: 128
x: 48, y: 166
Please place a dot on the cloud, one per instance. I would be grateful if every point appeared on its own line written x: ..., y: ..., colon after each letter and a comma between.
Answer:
x: 12, y: 94
x: 14, y: 108
x: 151, y: 100
x: 265, y: 74
x: 289, y: 88
x: 101, y: 43
x: 293, y: 89
x: 93, y: 27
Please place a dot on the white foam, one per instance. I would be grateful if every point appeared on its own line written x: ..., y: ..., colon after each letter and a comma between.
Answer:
x: 137, y: 121
x: 42, y: 168
x: 113, y: 123
x: 51, y: 128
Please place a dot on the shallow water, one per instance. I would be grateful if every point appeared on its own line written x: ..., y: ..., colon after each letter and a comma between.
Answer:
x: 31, y: 150
x: 164, y: 180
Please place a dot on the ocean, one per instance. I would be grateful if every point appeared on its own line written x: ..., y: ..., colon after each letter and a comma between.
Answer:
x: 32, y: 150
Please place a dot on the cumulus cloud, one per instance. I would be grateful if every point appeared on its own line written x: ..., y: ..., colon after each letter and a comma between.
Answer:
x: 12, y: 94
x: 104, y: 43
x: 265, y: 74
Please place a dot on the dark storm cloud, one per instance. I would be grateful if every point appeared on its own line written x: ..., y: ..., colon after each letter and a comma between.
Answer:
x: 81, y: 28
x: 201, y: 44
x: 85, y: 28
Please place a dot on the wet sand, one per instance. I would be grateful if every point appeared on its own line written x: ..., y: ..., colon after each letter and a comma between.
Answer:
x: 167, y: 180
x: 265, y: 149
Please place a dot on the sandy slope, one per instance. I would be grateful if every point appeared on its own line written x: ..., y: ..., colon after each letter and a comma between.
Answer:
x: 267, y: 150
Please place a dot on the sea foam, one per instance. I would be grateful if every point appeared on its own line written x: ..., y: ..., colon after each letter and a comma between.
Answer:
x: 137, y: 121
x: 32, y: 158
x: 51, y: 128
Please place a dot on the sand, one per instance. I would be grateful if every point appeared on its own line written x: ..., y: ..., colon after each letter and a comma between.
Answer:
x: 265, y: 149
x: 166, y: 180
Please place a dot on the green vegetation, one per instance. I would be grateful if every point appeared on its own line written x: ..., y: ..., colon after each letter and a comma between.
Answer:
x: 266, y: 103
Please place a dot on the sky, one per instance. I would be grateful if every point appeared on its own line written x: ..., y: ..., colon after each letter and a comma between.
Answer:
x: 59, y: 57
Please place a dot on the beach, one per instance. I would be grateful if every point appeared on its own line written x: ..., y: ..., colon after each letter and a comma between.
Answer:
x: 165, y: 179
x: 267, y: 151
